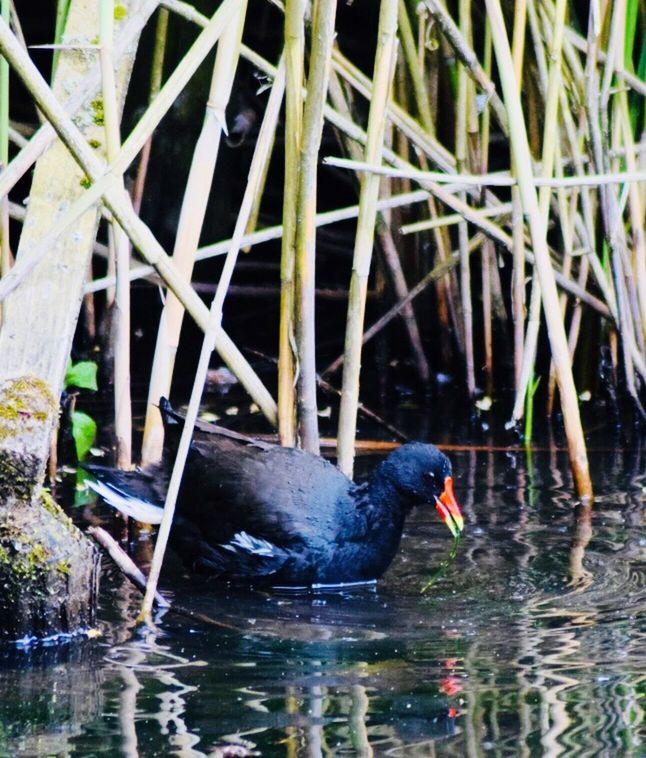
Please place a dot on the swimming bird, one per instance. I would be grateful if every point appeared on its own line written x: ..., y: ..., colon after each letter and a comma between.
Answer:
x: 263, y: 514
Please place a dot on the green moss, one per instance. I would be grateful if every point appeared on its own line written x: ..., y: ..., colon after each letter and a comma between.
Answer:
x: 120, y: 11
x: 37, y: 556
x: 26, y: 404
x: 22, y: 557
x: 63, y: 567
x: 25, y: 399
x: 51, y: 506
x: 99, y: 113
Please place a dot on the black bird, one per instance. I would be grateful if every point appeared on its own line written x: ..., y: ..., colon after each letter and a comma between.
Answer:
x: 263, y: 514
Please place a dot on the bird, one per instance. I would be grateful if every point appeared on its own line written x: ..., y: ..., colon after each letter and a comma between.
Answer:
x: 261, y: 514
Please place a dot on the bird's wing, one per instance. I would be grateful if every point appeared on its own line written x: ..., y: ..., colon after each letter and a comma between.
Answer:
x: 139, y: 494
x: 280, y: 495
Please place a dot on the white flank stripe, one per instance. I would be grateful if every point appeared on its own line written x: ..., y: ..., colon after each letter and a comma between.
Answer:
x: 139, y: 510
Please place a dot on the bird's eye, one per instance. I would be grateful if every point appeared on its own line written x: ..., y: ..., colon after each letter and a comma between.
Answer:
x: 429, y: 476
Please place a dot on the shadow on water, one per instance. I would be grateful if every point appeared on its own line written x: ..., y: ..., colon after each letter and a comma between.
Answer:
x: 532, y: 642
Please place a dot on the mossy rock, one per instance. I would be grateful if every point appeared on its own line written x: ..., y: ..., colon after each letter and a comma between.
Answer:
x: 48, y: 574
x: 24, y: 402
x: 26, y: 406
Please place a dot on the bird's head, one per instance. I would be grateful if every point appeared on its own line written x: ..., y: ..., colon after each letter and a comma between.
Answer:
x: 423, y: 474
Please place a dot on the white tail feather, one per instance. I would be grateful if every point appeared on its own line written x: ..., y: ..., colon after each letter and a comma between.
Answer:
x: 140, y: 510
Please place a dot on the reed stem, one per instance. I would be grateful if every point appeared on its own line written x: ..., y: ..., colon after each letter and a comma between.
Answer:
x: 305, y: 237
x: 191, y: 220
x: 537, y: 228
x: 156, y: 73
x: 5, y: 249
x: 119, y: 204
x: 384, y: 69
x: 294, y: 70
x: 550, y: 134
x: 121, y: 308
x: 213, y: 326
x: 461, y: 134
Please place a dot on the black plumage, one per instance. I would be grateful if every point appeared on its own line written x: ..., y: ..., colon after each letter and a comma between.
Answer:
x: 267, y: 514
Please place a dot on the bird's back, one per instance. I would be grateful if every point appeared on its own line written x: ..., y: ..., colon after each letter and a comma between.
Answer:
x: 260, y: 512
x: 301, y: 519
x: 279, y: 494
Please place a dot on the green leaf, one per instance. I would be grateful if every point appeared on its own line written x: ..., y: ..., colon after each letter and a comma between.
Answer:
x: 81, y: 375
x: 83, y: 495
x: 84, y: 432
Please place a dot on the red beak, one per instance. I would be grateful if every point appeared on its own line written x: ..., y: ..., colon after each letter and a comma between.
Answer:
x: 448, y: 508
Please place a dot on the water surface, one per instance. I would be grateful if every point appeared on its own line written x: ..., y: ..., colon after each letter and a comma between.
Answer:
x: 533, y: 642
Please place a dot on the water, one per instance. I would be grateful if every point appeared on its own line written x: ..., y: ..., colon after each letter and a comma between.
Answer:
x: 532, y: 643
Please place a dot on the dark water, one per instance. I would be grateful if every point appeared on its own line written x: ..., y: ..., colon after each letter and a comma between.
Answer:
x: 532, y: 643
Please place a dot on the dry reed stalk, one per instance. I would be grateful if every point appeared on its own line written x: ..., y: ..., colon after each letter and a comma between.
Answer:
x: 596, y: 102
x: 156, y: 72
x: 488, y: 255
x: 469, y: 60
x: 17, y: 137
x: 120, y: 205
x: 413, y: 62
x: 550, y: 133
x: 5, y: 250
x: 448, y: 308
x: 453, y: 218
x: 214, y: 325
x: 142, y: 271
x: 636, y: 210
x: 43, y: 136
x: 384, y: 68
x: 573, y: 335
x: 400, y: 118
x: 189, y: 228
x: 472, y: 215
x: 518, y: 288
x: 294, y: 71
x: 458, y: 182
x: 121, y: 309
x: 387, y: 243
x: 5, y: 6
x: 628, y: 78
x: 461, y: 159
x: 394, y: 266
x: 604, y: 282
x: 518, y: 37
x: 567, y: 209
x: 255, y: 210
x: 586, y: 224
x: 543, y: 266
x: 399, y: 143
x: 129, y: 149
x: 6, y: 258
x: 305, y: 237
x: 413, y: 56
x: 124, y: 562
x: 611, y: 109
x: 437, y: 273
